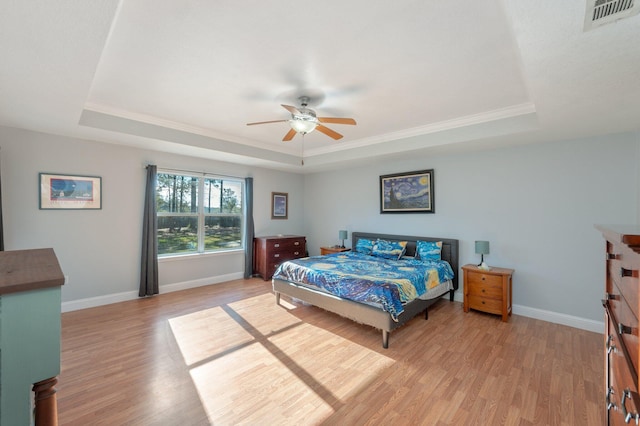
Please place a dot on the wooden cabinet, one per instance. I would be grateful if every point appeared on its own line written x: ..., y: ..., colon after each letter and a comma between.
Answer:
x: 329, y: 250
x: 30, y: 299
x: 488, y: 291
x: 621, y: 347
x: 269, y: 252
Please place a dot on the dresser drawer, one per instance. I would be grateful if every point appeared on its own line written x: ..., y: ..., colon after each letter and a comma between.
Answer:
x: 485, y: 304
x: 625, y: 321
x: 622, y: 273
x: 289, y: 245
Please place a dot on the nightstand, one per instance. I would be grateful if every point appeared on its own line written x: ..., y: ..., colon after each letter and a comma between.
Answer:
x: 329, y: 250
x: 488, y: 291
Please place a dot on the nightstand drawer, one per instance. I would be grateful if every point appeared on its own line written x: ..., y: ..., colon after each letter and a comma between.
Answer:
x: 493, y: 306
x: 485, y: 279
x: 488, y: 286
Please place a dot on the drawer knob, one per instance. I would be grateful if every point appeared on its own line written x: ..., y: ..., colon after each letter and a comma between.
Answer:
x: 624, y: 329
x: 276, y: 255
x: 297, y: 243
x: 610, y: 404
x: 483, y: 278
x: 483, y: 290
x: 276, y: 245
x: 609, y: 296
x: 611, y: 347
x: 296, y: 253
x: 624, y: 272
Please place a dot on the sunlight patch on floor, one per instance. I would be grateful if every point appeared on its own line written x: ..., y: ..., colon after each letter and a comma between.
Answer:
x: 252, y: 355
x: 241, y: 388
x: 263, y: 314
x: 340, y: 365
x: 207, y: 333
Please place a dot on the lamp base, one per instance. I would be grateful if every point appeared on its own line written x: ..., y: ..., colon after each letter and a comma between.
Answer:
x: 484, y: 267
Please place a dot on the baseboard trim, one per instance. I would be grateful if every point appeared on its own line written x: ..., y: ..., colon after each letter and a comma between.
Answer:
x: 549, y: 316
x: 108, y: 299
x: 525, y: 311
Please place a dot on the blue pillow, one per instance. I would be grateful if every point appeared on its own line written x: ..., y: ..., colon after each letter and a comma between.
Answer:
x: 364, y: 246
x: 429, y: 250
x: 389, y: 249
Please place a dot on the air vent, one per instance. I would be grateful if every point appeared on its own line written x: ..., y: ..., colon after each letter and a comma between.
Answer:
x: 601, y: 12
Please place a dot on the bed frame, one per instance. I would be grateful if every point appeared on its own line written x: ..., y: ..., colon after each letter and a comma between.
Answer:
x: 366, y: 314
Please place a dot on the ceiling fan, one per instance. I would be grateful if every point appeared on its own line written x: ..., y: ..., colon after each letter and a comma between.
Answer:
x: 304, y: 120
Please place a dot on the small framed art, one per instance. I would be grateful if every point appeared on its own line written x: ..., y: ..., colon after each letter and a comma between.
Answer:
x: 279, y: 205
x: 70, y: 192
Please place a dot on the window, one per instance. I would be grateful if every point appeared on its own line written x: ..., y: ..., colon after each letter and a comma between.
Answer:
x: 198, y: 213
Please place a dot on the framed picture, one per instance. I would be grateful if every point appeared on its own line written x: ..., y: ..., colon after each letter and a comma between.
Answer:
x: 279, y: 205
x: 410, y: 192
x: 70, y: 192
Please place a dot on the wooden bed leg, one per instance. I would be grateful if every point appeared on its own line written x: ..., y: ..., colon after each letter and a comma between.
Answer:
x: 385, y: 339
x: 451, y: 295
x: 277, y: 298
x: 426, y: 314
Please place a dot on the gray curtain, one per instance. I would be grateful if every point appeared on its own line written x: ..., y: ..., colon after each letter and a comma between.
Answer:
x: 248, y: 235
x: 149, y: 264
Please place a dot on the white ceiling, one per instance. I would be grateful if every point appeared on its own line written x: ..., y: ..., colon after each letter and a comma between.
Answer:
x: 186, y: 76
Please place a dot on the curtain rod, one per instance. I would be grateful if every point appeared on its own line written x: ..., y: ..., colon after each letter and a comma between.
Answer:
x: 168, y: 169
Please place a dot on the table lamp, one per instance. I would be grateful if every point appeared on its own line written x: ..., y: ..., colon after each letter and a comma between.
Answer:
x: 482, y: 248
x: 342, y: 235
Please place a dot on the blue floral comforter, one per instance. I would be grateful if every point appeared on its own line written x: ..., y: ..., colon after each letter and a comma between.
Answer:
x: 364, y: 278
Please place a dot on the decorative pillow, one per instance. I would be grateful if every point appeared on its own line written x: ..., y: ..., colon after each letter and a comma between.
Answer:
x: 389, y: 249
x: 364, y: 246
x: 429, y: 250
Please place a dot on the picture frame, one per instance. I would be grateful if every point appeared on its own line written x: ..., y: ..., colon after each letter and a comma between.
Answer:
x: 410, y: 192
x: 70, y: 192
x: 279, y: 205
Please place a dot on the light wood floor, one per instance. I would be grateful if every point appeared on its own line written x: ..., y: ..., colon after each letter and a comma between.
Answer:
x: 226, y: 354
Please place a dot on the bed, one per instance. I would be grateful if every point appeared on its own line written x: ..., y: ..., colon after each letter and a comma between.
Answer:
x: 367, y: 312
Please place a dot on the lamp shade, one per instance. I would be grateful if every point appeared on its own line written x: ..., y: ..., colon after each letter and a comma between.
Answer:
x: 342, y: 235
x: 482, y: 247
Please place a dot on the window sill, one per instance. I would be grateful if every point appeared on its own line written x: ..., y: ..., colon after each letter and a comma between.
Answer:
x: 194, y: 256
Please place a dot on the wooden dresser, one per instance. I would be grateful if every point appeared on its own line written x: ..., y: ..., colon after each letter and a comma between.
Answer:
x: 269, y: 252
x: 621, y: 324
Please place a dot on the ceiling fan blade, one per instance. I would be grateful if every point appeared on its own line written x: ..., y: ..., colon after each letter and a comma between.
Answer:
x: 266, y: 122
x: 337, y: 120
x: 290, y: 134
x: 327, y: 131
x: 291, y: 109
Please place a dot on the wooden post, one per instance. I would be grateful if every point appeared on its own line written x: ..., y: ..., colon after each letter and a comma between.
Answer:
x: 46, y: 409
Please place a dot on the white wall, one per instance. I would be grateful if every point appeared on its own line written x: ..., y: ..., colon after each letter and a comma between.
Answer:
x: 536, y: 204
x: 99, y: 250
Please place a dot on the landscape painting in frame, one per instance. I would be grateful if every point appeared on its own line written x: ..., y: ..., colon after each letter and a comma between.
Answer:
x: 410, y: 192
x: 70, y: 192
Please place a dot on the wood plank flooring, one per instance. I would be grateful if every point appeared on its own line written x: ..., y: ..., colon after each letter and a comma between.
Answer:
x: 226, y: 354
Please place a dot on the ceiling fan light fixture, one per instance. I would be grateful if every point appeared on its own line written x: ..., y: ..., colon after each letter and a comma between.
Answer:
x: 303, y: 126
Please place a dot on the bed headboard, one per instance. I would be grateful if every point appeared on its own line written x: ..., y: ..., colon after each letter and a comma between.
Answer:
x: 449, y: 247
